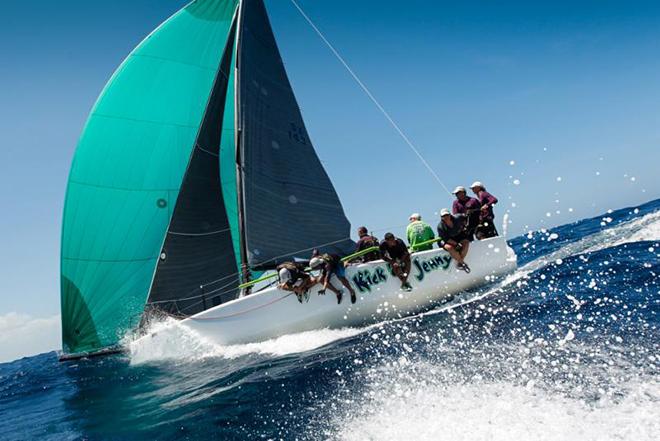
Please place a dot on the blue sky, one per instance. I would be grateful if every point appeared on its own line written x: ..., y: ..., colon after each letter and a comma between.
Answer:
x: 566, y: 90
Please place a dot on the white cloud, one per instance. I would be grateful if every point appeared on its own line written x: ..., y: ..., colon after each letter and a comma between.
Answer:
x: 22, y: 335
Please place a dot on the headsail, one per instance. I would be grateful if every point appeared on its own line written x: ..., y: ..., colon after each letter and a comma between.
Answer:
x: 197, y: 267
x: 289, y: 202
x: 127, y: 171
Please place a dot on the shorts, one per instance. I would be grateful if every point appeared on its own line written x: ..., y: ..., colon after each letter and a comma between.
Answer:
x: 340, y: 270
x: 403, y: 263
x: 460, y: 237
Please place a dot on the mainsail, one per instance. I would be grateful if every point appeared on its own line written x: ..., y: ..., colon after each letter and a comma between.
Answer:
x: 285, y: 188
x: 194, y: 168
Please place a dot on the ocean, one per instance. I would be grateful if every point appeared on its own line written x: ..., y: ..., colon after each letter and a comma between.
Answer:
x: 566, y: 348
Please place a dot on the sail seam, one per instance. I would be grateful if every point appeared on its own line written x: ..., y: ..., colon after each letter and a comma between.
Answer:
x: 128, y: 118
x: 174, y: 61
x: 110, y: 187
x: 77, y: 259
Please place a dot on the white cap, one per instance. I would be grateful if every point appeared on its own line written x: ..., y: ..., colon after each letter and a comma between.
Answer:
x: 285, y: 275
x: 477, y: 184
x: 415, y: 216
x: 459, y: 189
x: 444, y: 212
x: 315, y: 262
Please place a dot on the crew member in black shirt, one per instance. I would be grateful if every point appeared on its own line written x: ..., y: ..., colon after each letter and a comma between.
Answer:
x: 455, y: 238
x: 395, y: 252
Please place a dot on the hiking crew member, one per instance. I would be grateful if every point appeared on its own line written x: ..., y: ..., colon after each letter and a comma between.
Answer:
x: 418, y: 232
x: 486, y: 227
x: 395, y: 252
x: 330, y: 264
x: 451, y: 230
x: 294, y: 278
x: 365, y: 242
x: 464, y: 204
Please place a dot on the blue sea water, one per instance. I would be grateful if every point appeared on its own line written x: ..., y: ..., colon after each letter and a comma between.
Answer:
x: 568, y: 347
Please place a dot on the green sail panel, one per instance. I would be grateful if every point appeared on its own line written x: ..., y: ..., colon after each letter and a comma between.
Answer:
x: 127, y: 172
x: 228, y: 163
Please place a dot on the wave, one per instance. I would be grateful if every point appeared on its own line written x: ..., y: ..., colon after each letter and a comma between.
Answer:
x: 645, y: 228
x: 173, y: 342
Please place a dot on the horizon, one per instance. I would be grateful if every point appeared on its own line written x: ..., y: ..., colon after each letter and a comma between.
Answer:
x: 525, y: 90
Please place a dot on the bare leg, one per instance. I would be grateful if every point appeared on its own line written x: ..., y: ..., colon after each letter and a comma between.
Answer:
x: 398, y: 272
x: 347, y: 284
x: 453, y: 253
x: 465, y: 245
x: 309, y: 283
x: 395, y: 269
x: 333, y: 289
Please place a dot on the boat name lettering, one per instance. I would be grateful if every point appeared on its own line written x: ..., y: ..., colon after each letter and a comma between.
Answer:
x: 365, y: 279
x: 426, y: 266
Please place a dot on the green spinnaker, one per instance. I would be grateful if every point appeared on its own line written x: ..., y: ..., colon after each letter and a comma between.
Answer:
x: 127, y: 171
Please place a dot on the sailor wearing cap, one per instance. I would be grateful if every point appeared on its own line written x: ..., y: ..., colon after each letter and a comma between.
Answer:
x: 486, y: 227
x: 451, y: 230
x: 464, y: 204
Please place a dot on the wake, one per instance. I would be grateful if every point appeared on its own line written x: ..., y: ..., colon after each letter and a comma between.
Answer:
x: 175, y: 342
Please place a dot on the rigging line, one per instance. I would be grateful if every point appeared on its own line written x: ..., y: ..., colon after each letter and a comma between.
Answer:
x: 238, y: 313
x: 371, y: 96
x: 205, y: 294
x: 208, y: 233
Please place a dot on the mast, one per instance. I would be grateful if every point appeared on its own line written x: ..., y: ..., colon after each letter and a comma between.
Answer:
x: 240, y: 163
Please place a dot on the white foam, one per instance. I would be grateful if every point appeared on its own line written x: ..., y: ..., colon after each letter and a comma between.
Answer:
x: 172, y: 341
x: 497, y: 411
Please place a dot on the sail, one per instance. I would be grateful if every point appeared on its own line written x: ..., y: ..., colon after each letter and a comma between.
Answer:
x: 197, y: 267
x: 289, y: 203
x: 128, y: 169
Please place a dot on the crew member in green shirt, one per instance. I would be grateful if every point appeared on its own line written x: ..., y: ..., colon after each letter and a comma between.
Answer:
x: 419, y: 231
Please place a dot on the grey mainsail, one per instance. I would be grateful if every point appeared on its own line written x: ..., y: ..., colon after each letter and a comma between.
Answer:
x: 290, y: 204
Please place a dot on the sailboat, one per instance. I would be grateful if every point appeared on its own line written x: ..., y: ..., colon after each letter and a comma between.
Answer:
x: 193, y: 175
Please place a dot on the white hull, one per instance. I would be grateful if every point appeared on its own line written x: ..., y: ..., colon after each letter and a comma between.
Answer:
x: 272, y: 312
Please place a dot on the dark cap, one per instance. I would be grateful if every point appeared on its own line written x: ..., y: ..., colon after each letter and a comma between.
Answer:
x: 389, y: 236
